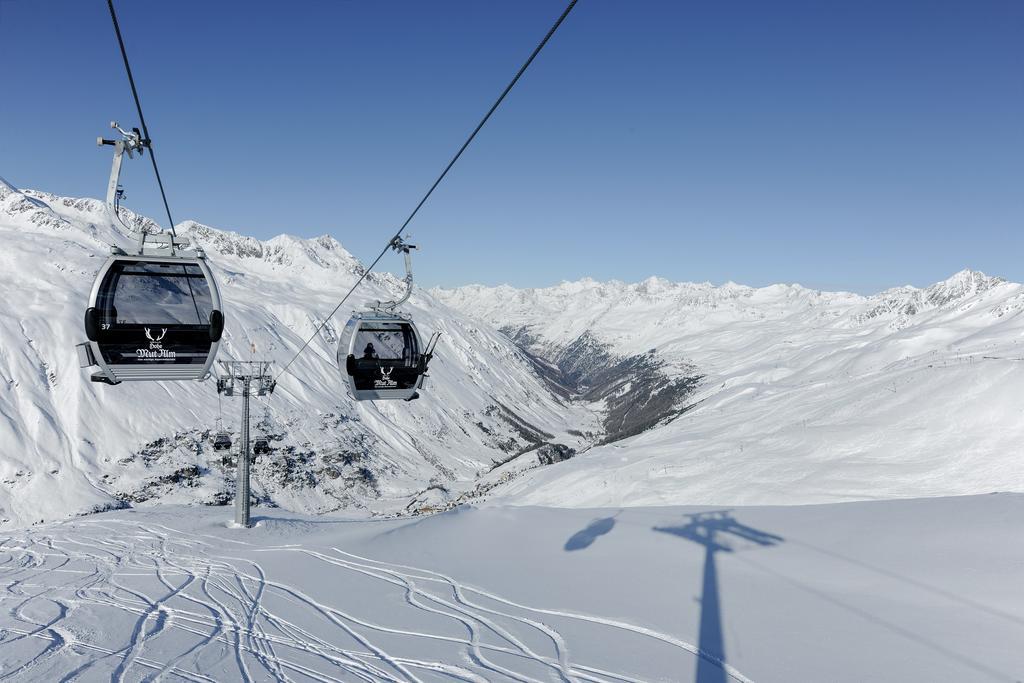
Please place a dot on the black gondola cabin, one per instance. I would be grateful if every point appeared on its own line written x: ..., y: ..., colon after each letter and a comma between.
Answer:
x: 153, y: 318
x: 382, y: 355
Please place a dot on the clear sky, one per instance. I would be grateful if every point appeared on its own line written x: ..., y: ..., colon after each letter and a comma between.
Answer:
x: 842, y: 145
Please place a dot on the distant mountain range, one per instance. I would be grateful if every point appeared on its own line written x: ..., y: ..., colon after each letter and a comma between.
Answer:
x: 777, y: 395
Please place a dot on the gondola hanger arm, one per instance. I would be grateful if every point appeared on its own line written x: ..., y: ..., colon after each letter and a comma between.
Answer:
x: 132, y: 142
x: 400, y: 245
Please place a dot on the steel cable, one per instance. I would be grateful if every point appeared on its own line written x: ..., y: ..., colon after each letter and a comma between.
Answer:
x: 147, y: 141
x: 437, y: 182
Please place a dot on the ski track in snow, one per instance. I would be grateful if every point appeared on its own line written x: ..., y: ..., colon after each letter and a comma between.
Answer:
x: 128, y: 601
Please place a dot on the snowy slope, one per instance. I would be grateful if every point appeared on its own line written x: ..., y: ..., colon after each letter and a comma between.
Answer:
x: 68, y: 445
x: 804, y: 396
x: 917, y: 590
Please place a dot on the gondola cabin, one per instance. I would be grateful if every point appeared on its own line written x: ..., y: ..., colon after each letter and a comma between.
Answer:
x: 222, y: 441
x: 153, y: 318
x: 381, y: 354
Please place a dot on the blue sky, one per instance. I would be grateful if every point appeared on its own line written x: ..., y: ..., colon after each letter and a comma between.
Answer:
x: 840, y: 145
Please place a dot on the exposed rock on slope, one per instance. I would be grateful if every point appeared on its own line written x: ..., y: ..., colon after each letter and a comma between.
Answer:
x: 633, y: 393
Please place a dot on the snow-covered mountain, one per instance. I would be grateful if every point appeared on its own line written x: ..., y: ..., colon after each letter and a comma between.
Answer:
x: 670, y: 393
x: 68, y: 445
x: 776, y: 395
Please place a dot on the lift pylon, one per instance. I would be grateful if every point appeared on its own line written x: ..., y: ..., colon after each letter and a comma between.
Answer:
x: 245, y: 377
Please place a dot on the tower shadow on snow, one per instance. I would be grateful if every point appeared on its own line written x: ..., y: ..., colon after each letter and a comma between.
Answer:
x: 713, y: 531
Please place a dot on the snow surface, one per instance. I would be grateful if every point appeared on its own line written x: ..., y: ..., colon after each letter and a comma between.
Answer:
x: 915, y: 590
x: 806, y: 396
x: 68, y: 446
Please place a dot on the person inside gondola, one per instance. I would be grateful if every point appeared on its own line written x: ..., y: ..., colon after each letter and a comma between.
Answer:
x: 369, y: 353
